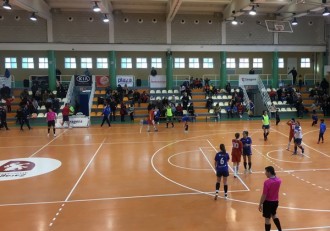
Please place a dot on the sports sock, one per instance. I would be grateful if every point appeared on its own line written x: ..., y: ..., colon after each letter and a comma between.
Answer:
x: 295, y: 149
x: 167, y: 125
x: 267, y: 227
x: 244, y: 165
x: 267, y: 134
x: 54, y: 130
x: 225, y: 188
x: 217, y: 186
x: 250, y: 164
x: 48, y: 130
x: 277, y: 223
x: 289, y: 144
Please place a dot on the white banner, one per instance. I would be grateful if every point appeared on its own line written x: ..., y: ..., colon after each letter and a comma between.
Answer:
x: 158, y: 81
x: 75, y: 122
x: 248, y: 80
x: 6, y: 81
x: 125, y: 79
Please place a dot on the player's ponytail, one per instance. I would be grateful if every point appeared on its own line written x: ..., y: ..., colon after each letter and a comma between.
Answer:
x: 223, y: 148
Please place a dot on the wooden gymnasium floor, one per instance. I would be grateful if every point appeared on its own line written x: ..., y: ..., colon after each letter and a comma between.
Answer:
x: 122, y: 179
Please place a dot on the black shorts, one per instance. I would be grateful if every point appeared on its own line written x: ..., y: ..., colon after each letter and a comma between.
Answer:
x: 65, y: 118
x: 222, y: 173
x: 297, y: 141
x: 269, y: 208
x: 247, y: 153
x: 51, y: 123
x: 265, y: 126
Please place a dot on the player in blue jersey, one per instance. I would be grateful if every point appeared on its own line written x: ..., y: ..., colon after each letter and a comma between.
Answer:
x: 221, y: 165
x: 247, y: 151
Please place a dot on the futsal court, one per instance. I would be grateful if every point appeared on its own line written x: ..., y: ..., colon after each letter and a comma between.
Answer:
x: 124, y: 178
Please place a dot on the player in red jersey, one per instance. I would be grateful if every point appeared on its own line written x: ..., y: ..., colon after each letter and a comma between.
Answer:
x: 292, y: 124
x: 236, y: 153
x: 151, y: 120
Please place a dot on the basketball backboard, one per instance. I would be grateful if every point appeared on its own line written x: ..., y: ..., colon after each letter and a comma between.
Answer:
x: 278, y: 26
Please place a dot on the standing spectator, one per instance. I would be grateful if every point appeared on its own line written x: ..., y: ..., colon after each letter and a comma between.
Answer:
x: 123, y: 112
x: 324, y: 85
x: 65, y: 114
x: 269, y: 198
x: 221, y: 165
x: 279, y: 94
x: 25, y: 117
x: 131, y: 111
x: 251, y: 71
x: 217, y: 112
x: 314, y: 118
x: 323, y: 128
x: 228, y: 88
x: 153, y: 71
x: 277, y: 116
x: 4, y: 92
x: 106, y: 114
x: 236, y: 153
x: 272, y: 95
x: 300, y: 82
x: 51, y: 117
x: 3, y: 118
x: 209, y: 103
x: 113, y: 107
x: 8, y: 104
x: 185, y: 101
x: 294, y: 74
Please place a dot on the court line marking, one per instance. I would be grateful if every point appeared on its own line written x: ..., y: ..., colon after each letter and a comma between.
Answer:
x: 112, y: 198
x: 298, y: 170
x: 77, y: 182
x: 207, y: 159
x: 238, y: 177
x: 177, y: 166
x: 36, y: 152
x: 307, y: 228
x: 287, y: 161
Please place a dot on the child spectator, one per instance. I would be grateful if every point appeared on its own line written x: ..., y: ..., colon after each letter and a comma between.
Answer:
x: 314, y: 118
x: 323, y: 127
x: 8, y: 103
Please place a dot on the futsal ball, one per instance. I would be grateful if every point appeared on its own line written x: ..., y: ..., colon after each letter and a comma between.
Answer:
x: 34, y: 115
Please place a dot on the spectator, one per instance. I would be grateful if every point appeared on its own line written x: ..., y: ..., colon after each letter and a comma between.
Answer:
x: 300, y: 82
x: 191, y: 111
x: 153, y: 72
x: 5, y: 92
x: 209, y: 103
x: 228, y: 88
x: 217, y: 112
x: 3, y: 118
x: 294, y: 74
x: 8, y: 103
x: 131, y: 111
x: 324, y: 85
x: 272, y: 95
x: 123, y: 112
x: 251, y: 71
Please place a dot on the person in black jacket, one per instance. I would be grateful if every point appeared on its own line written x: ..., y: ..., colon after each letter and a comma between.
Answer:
x: 25, y: 117
x: 3, y: 118
x: 294, y: 75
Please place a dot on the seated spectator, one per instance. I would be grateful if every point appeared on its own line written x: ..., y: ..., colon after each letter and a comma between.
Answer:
x: 182, y: 89
x: 179, y: 110
x: 207, y: 90
x: 229, y: 111
x: 24, y: 94
x: 5, y: 92
x: 272, y: 95
x: 136, y: 97
x: 191, y: 111
x: 144, y: 97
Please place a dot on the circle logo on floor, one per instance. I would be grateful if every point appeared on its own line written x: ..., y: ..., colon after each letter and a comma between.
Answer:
x: 16, y: 169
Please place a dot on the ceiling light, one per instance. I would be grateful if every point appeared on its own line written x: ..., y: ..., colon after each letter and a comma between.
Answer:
x: 234, y: 22
x: 6, y: 5
x: 106, y: 19
x: 294, y: 22
x: 253, y: 11
x: 96, y: 8
x: 33, y: 17
x: 326, y: 12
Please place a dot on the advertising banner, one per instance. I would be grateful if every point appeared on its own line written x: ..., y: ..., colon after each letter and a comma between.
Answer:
x: 6, y: 81
x: 125, y: 79
x: 248, y: 80
x: 75, y: 122
x: 102, y: 81
x: 157, y: 81
x: 82, y: 80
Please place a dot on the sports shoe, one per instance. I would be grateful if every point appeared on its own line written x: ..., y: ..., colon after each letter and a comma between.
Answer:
x: 216, y: 196
x: 48, y: 134
x: 294, y: 153
x: 246, y: 171
x: 250, y: 171
x: 302, y: 151
x: 226, y: 196
x: 54, y: 135
x: 288, y: 149
x: 235, y: 176
x: 156, y: 130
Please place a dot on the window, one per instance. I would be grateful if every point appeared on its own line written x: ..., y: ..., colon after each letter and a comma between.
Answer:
x: 244, y: 63
x: 193, y: 62
x: 86, y: 63
x: 280, y: 63
x: 11, y: 62
x: 156, y: 62
x: 207, y: 62
x: 70, y: 63
x: 305, y: 62
x: 126, y: 63
x: 101, y: 63
x: 27, y: 63
x: 230, y: 63
x: 179, y: 63
x: 257, y: 63
x: 43, y: 63
x: 141, y: 63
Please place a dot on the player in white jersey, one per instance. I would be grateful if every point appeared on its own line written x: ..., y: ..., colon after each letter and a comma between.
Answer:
x: 298, y: 138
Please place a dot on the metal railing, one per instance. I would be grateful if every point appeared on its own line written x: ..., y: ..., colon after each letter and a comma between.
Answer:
x: 70, y: 90
x: 179, y: 79
x: 264, y: 94
x: 246, y: 97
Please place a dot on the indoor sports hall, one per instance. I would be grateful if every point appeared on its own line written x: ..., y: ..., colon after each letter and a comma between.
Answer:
x: 82, y: 55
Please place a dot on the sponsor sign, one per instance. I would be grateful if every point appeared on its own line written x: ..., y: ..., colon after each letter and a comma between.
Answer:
x: 82, y: 80
x: 16, y: 169
x: 102, y: 81
x: 248, y: 80
x: 125, y: 79
x: 6, y: 81
x: 157, y: 81
x: 75, y: 122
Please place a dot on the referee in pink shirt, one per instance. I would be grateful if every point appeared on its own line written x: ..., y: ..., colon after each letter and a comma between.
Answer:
x: 269, y: 198
x: 51, y: 117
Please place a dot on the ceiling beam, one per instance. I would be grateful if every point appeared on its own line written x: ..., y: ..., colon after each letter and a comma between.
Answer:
x: 173, y: 9
x: 106, y: 8
x: 236, y: 5
x: 39, y: 7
